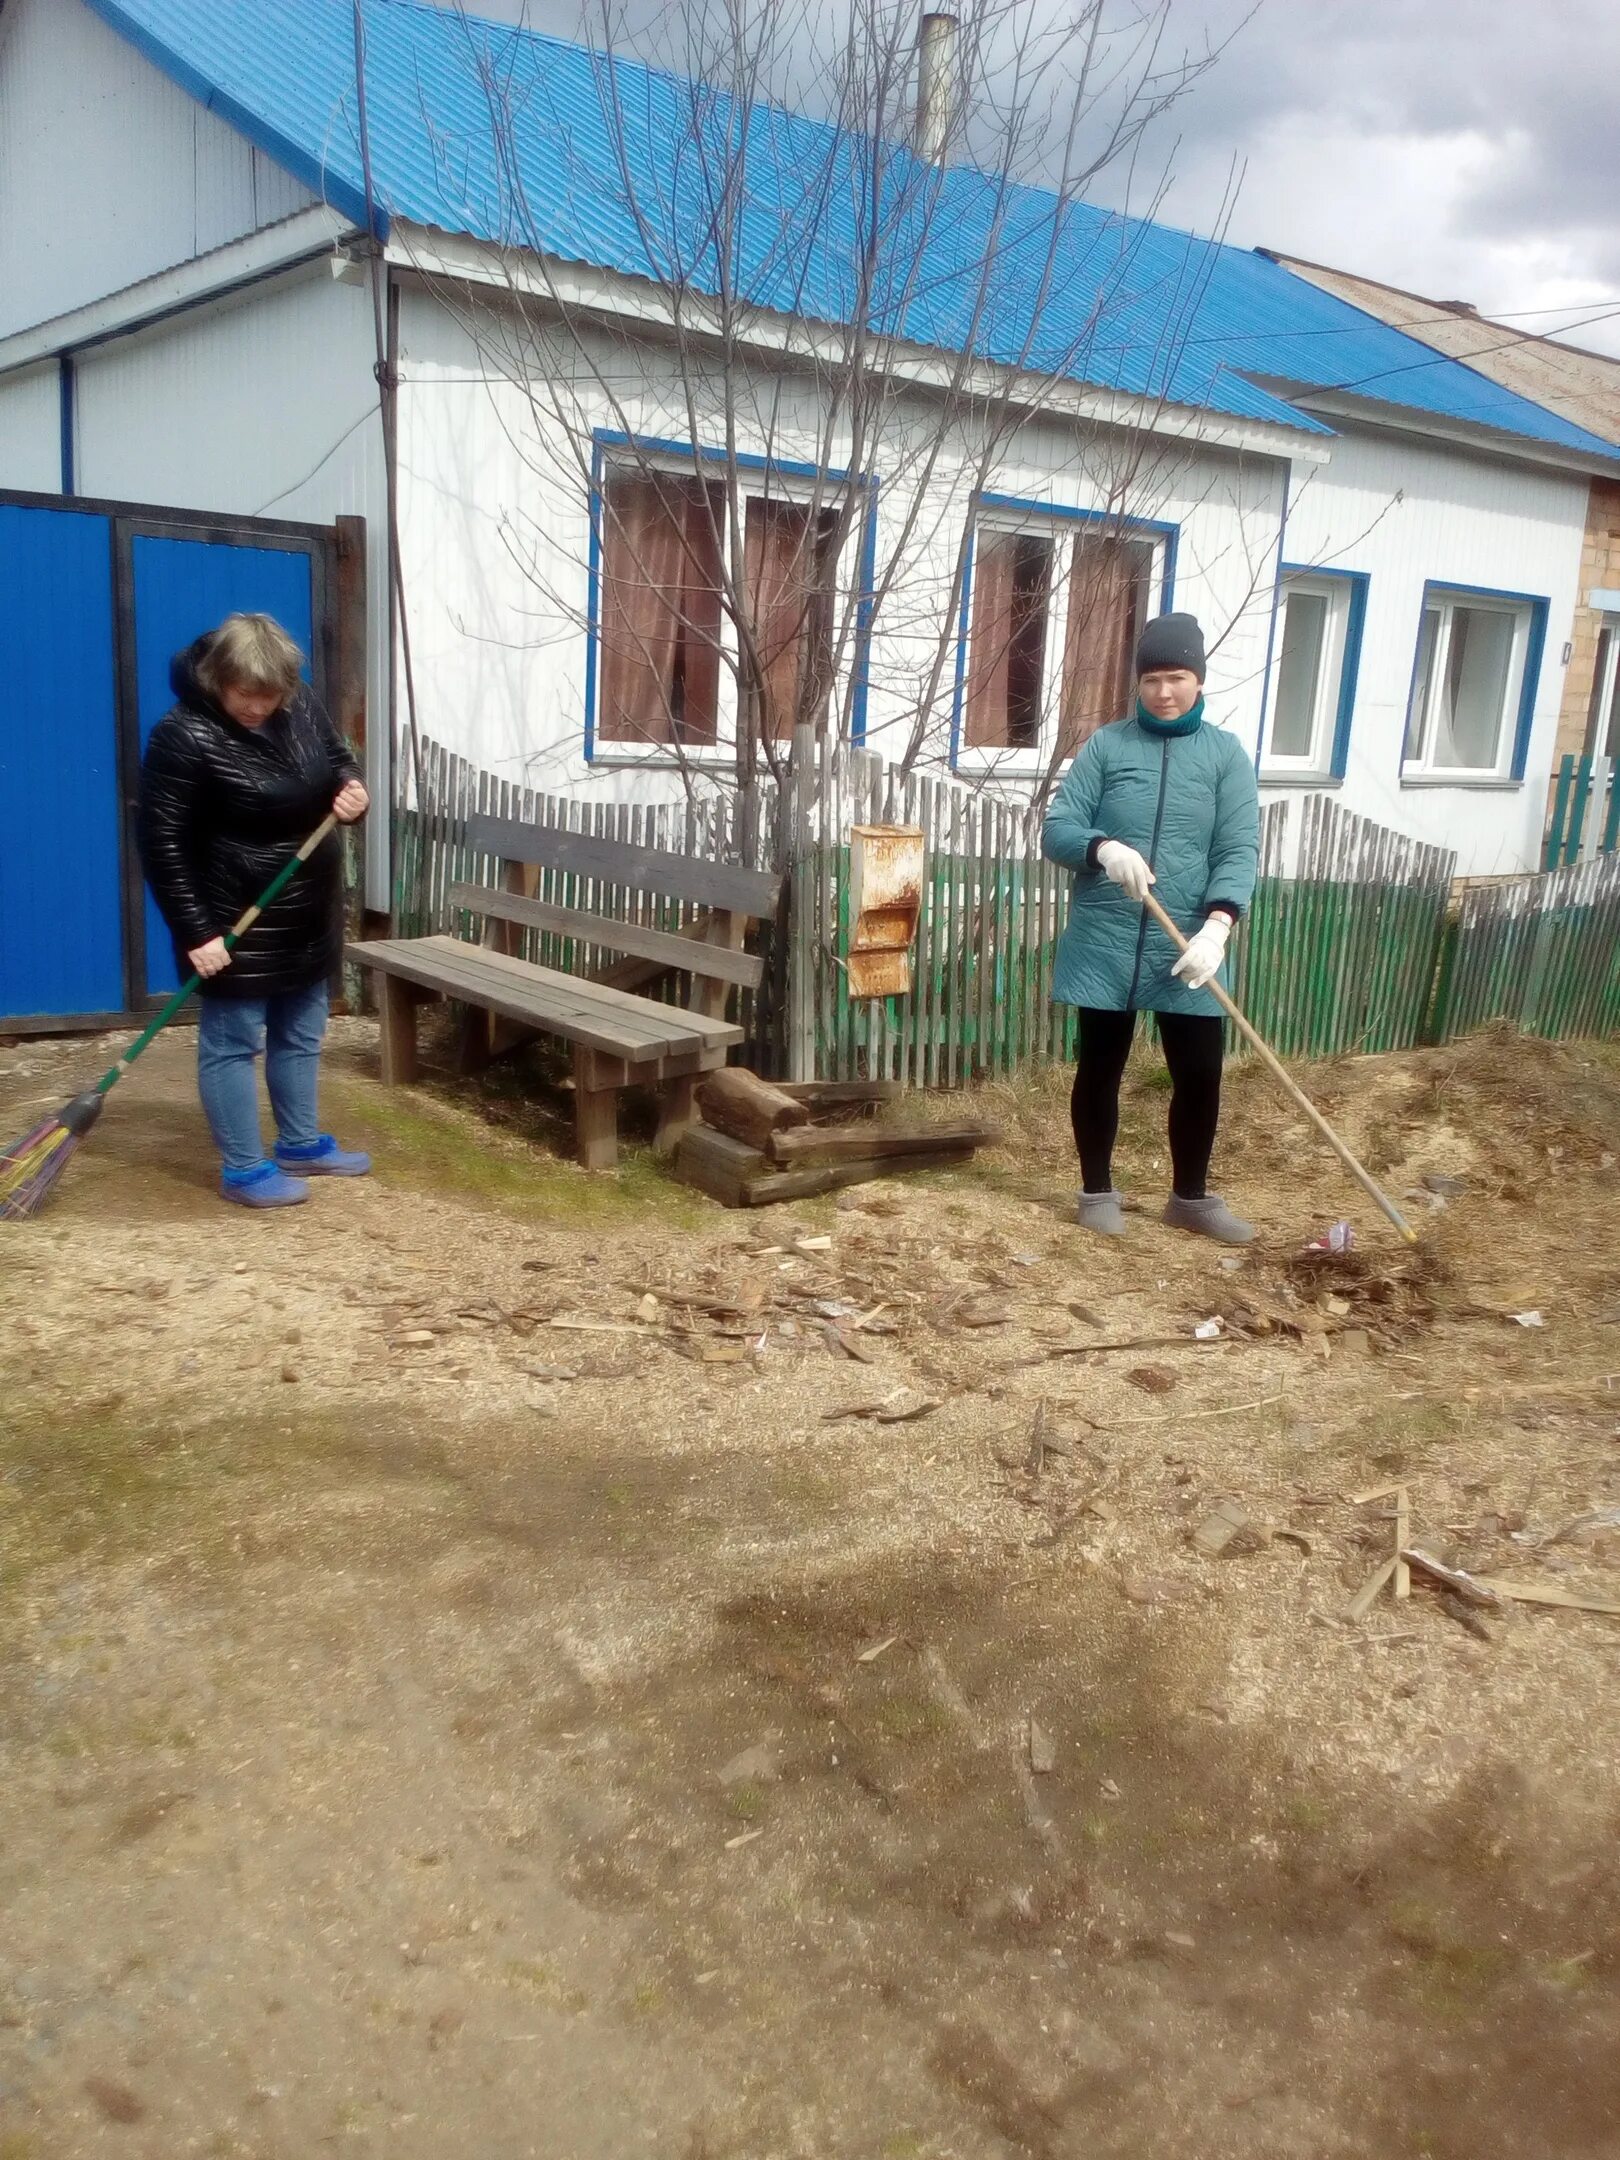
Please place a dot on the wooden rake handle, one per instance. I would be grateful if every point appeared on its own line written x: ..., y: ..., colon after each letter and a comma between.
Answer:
x: 1263, y: 1050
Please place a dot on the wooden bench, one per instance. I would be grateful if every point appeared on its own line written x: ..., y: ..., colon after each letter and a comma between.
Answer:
x: 620, y: 1038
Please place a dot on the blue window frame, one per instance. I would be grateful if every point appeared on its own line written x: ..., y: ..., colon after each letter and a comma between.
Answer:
x: 605, y: 442
x: 1311, y: 697
x: 997, y: 514
x: 1476, y: 669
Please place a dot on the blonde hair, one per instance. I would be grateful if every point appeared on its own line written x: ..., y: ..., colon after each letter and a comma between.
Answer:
x: 250, y: 652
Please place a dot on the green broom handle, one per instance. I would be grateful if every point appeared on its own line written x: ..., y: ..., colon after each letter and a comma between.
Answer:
x: 243, y: 923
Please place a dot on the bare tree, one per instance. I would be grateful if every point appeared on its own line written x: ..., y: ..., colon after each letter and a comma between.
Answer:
x: 826, y: 317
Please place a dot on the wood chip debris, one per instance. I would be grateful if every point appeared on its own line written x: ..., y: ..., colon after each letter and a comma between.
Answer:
x: 1042, y: 1748
x: 873, y: 1651
x: 745, y: 1837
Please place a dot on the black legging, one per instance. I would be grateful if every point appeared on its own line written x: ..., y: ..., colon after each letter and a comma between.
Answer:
x: 1192, y: 1050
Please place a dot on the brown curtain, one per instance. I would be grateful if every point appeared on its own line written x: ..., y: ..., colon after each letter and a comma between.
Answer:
x: 985, y: 717
x: 790, y: 607
x: 1108, y: 585
x: 660, y: 610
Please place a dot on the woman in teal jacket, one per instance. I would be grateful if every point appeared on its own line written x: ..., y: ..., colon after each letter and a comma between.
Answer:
x: 1167, y: 800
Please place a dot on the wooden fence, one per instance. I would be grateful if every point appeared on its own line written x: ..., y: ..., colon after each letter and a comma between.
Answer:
x: 1585, y: 815
x: 1349, y: 944
x: 1543, y: 952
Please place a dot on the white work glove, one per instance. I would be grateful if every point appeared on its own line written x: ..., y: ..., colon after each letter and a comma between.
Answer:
x: 1124, y: 867
x: 1201, y: 962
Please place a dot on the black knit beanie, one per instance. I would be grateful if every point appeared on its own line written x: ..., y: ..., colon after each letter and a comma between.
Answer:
x: 1171, y: 641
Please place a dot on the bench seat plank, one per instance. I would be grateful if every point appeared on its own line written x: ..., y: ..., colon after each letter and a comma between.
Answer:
x: 591, y: 1014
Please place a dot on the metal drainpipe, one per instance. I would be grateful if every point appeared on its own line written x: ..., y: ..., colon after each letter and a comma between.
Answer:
x: 66, y: 401
x: 936, y: 85
x: 1276, y: 606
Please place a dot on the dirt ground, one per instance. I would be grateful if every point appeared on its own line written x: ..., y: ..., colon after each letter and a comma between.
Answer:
x: 465, y: 1690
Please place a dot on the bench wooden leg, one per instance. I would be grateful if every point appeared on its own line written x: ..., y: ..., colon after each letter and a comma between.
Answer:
x: 596, y: 1115
x: 398, y: 1014
x: 677, y: 1113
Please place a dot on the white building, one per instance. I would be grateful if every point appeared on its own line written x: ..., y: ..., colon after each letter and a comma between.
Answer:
x: 1383, y: 546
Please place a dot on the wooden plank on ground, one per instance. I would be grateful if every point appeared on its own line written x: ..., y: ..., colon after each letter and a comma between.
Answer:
x: 868, y: 1143
x: 617, y: 862
x: 670, y: 949
x: 740, y: 1176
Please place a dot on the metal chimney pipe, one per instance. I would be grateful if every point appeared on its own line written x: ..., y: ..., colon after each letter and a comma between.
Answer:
x: 936, y: 84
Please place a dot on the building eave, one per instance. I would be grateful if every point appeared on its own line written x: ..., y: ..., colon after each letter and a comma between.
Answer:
x: 609, y: 296
x: 302, y: 238
x: 1341, y: 408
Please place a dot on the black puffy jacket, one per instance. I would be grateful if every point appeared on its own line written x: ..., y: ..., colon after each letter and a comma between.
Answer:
x: 222, y: 808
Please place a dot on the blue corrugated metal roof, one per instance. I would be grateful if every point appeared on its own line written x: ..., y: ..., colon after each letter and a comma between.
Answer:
x: 609, y: 163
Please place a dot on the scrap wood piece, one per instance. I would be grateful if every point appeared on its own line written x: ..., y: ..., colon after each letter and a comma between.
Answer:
x: 1403, y: 1536
x: 1152, y: 1379
x: 873, y: 1651
x: 1373, y: 1492
x: 871, y: 1143
x: 1362, y: 1603
x: 1457, y: 1580
x: 1135, y: 1342
x: 1219, y: 1528
x: 1535, y: 1593
x: 1036, y: 1457
x: 1042, y: 1748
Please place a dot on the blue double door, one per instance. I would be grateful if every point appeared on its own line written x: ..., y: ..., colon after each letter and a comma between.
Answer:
x: 95, y: 602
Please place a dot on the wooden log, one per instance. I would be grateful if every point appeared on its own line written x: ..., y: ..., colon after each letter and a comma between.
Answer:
x: 738, y: 1102
x: 870, y: 1143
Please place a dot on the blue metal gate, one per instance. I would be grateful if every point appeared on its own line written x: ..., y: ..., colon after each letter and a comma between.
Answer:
x: 95, y: 599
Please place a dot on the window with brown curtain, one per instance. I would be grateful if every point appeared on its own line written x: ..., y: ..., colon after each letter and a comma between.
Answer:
x: 786, y: 546
x: 660, y: 609
x: 1012, y: 591
x: 1110, y: 588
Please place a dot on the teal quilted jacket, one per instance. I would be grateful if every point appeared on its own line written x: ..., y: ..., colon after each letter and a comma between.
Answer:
x: 1184, y: 794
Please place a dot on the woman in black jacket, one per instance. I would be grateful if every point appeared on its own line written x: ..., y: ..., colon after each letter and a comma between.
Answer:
x: 241, y: 771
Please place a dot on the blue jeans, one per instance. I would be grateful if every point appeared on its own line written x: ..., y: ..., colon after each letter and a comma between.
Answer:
x: 230, y: 1034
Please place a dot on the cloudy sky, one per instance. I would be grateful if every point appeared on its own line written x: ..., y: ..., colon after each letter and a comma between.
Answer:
x: 1467, y: 149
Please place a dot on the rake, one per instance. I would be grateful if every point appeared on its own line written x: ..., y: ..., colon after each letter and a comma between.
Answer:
x: 1274, y: 1065
x: 30, y: 1167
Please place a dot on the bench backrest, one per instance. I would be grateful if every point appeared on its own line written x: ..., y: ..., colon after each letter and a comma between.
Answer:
x: 616, y: 862
x: 668, y: 948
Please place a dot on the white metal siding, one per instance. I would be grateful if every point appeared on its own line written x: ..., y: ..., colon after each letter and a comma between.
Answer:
x: 108, y: 172
x: 31, y: 430
x: 262, y: 406
x: 1406, y: 513
x: 495, y: 538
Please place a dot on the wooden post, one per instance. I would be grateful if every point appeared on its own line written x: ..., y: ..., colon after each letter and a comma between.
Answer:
x: 398, y: 1015
x: 801, y: 956
x: 596, y: 1115
x: 676, y: 1114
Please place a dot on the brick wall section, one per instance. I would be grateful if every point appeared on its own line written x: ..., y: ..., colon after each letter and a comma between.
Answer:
x: 1600, y: 566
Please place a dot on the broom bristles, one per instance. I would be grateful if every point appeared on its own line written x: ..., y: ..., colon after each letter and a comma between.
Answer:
x: 30, y: 1167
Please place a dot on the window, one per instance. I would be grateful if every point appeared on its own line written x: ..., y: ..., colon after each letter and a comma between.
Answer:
x: 1052, y: 637
x: 660, y: 609
x: 1313, y: 684
x: 668, y: 641
x: 1110, y: 598
x: 788, y: 549
x: 1475, y: 666
x: 1603, y: 713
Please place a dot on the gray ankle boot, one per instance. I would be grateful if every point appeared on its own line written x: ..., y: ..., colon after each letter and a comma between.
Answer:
x: 1102, y: 1211
x: 1209, y: 1217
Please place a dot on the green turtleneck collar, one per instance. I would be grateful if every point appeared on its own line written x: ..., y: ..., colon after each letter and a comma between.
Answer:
x: 1188, y: 724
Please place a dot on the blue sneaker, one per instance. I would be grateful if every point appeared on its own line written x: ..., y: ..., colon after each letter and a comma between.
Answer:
x: 262, y: 1186
x: 322, y: 1158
